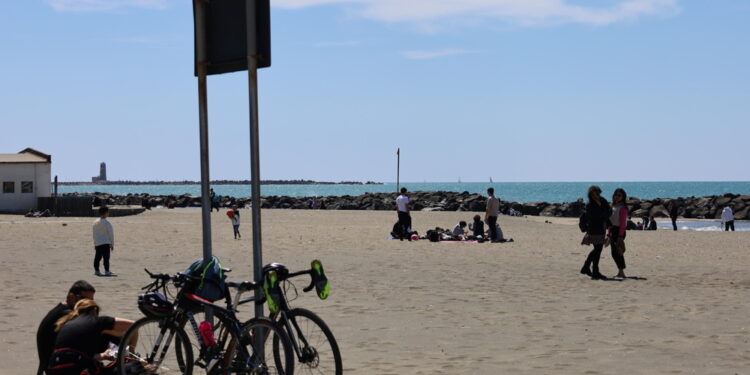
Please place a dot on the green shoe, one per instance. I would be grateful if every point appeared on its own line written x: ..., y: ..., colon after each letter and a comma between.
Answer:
x: 322, y: 286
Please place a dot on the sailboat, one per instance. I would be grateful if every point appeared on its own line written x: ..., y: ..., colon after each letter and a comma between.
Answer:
x: 490, y: 179
x: 459, y: 180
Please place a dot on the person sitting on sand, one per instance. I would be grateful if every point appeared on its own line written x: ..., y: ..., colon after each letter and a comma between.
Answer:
x: 459, y: 231
x: 477, y: 227
x: 45, y: 334
x: 651, y: 223
x: 82, y: 340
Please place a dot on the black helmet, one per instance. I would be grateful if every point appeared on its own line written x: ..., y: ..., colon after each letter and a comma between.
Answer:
x: 154, y: 304
x: 281, y: 271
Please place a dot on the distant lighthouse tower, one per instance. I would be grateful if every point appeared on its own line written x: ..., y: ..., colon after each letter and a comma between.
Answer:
x: 102, y: 177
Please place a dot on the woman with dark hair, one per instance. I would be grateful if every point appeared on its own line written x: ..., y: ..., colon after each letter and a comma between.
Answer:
x: 82, y: 340
x: 617, y: 229
x: 597, y: 215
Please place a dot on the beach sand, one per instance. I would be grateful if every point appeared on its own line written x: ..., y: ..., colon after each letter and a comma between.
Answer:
x: 420, y: 307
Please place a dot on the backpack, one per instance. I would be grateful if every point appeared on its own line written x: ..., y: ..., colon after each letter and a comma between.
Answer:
x: 583, y: 222
x: 210, y: 283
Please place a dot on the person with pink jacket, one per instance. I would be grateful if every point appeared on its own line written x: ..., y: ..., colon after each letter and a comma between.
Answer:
x: 618, y: 219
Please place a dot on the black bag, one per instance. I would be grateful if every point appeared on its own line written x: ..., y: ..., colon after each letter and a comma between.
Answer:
x: 583, y: 223
x: 398, y: 230
x: 433, y: 235
x: 210, y: 283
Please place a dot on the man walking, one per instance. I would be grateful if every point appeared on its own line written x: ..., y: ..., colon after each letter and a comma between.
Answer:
x: 727, y: 217
x: 673, y: 207
x: 104, y: 241
x: 490, y: 214
x: 404, y: 218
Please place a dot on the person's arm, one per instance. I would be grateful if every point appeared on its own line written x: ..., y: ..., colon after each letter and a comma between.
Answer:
x: 111, y: 234
x: 623, y: 219
x: 118, y: 329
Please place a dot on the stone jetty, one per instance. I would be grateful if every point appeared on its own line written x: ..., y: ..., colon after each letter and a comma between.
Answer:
x: 708, y: 207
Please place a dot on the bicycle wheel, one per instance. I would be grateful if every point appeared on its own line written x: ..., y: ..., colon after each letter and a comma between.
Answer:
x: 154, y: 346
x: 268, y: 346
x: 319, y: 352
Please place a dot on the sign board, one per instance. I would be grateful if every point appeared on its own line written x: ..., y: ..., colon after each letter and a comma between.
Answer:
x: 233, y: 30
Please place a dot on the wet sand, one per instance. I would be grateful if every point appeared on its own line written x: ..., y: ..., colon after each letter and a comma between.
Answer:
x: 420, y: 307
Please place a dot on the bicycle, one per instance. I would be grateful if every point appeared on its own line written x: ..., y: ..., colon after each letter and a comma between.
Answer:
x: 224, y: 348
x: 313, y: 342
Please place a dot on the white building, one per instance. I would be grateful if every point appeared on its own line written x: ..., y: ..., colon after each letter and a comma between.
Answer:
x: 24, y: 177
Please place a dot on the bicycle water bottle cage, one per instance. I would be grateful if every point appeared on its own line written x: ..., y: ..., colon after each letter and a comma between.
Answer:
x: 272, y: 291
x: 322, y: 286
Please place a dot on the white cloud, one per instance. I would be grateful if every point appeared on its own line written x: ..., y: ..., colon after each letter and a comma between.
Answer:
x: 104, y: 5
x: 427, y: 13
x: 424, y: 55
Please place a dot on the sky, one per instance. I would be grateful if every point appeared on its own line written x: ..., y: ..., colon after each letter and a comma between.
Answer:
x: 515, y: 90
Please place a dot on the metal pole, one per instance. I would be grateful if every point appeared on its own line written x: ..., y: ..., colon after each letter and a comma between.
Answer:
x: 255, y: 178
x: 200, y: 48
x: 398, y: 168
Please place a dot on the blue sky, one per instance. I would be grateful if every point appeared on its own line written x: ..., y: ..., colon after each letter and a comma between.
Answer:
x: 519, y: 90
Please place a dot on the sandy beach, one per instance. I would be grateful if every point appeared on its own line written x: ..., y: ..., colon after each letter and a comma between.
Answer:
x: 420, y: 307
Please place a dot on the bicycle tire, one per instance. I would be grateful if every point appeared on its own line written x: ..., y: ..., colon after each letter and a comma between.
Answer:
x: 318, y: 357
x: 277, y: 353
x: 147, y: 332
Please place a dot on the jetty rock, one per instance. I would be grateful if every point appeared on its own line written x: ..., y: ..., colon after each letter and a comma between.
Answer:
x: 708, y: 207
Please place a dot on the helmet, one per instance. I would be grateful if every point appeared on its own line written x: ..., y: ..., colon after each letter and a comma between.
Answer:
x: 281, y: 271
x: 155, y: 305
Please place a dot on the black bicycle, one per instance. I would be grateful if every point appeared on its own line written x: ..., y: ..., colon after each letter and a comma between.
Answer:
x: 312, y: 341
x: 159, y: 344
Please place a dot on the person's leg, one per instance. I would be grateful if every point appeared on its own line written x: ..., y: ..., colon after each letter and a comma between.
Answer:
x: 674, y: 222
x: 402, y: 222
x: 731, y: 225
x: 492, y: 221
x: 618, y: 256
x: 239, y: 235
x: 98, y: 258
x: 105, y: 254
x: 236, y: 231
x: 595, y: 255
x: 726, y: 226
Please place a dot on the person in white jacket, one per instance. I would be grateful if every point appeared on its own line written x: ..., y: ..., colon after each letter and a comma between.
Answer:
x: 104, y: 241
x: 727, y: 217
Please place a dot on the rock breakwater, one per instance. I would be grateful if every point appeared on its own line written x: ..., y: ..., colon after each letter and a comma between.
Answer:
x: 708, y: 207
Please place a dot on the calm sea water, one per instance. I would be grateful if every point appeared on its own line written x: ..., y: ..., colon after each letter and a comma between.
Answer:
x: 508, y: 191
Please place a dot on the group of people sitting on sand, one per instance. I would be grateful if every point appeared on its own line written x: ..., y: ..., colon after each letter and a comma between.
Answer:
x: 475, y: 231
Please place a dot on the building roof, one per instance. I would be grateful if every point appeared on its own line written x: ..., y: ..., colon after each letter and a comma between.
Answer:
x: 28, y: 155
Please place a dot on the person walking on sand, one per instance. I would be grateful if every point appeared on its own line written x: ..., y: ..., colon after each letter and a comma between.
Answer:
x: 597, y: 215
x: 404, y: 216
x: 104, y: 241
x: 234, y: 217
x: 727, y: 217
x: 214, y: 200
x: 673, y: 207
x: 490, y: 214
x: 617, y: 230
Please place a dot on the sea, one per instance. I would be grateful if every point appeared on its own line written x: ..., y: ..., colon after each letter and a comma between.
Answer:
x: 524, y: 192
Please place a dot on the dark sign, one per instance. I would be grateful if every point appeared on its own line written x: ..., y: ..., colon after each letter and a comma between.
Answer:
x: 233, y: 30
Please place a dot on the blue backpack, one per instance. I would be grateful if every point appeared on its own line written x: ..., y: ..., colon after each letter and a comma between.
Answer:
x: 210, y: 283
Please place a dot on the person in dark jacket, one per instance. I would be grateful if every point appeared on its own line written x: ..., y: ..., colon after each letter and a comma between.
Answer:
x: 674, y: 207
x: 597, y: 218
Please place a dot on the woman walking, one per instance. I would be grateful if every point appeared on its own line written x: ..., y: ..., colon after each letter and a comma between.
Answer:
x: 617, y: 230
x: 597, y: 216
